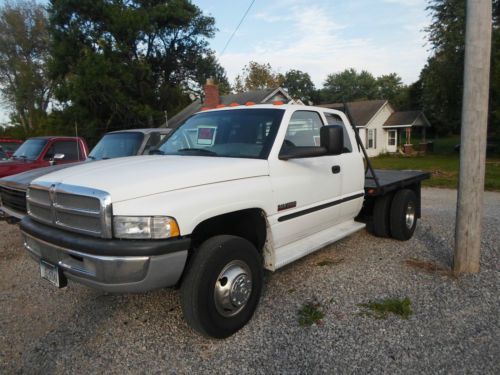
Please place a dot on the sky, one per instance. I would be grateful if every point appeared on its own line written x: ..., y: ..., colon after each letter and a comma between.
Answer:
x: 320, y: 37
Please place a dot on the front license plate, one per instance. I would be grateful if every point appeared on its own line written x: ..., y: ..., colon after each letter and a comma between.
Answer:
x: 52, y: 274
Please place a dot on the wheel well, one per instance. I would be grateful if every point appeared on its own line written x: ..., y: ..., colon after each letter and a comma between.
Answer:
x: 249, y: 224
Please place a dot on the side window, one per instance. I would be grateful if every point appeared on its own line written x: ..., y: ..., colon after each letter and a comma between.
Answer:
x: 303, y: 129
x: 333, y: 119
x: 68, y: 148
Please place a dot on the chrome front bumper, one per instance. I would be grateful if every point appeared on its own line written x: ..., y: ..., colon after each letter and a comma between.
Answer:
x: 110, y: 273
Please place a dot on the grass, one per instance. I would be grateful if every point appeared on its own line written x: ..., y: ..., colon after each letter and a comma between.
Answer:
x: 443, y: 164
x: 310, y: 313
x: 381, y: 309
x: 329, y: 262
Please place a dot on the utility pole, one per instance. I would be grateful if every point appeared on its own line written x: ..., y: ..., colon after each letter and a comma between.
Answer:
x: 473, y: 136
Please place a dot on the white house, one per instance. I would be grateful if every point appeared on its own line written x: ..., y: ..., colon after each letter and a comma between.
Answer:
x: 381, y: 128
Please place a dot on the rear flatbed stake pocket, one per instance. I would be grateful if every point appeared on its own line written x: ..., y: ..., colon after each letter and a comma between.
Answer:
x: 231, y: 192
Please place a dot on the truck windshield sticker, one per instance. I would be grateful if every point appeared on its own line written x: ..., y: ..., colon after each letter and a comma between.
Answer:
x: 206, y: 135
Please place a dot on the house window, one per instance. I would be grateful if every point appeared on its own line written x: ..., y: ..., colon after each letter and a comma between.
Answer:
x: 392, y: 138
x: 372, y: 138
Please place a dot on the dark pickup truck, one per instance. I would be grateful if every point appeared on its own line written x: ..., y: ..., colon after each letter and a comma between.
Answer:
x: 112, y: 145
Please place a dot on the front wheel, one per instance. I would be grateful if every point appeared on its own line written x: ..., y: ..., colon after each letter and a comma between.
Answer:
x: 222, y: 286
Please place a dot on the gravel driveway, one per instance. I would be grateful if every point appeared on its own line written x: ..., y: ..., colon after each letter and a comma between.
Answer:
x: 454, y: 327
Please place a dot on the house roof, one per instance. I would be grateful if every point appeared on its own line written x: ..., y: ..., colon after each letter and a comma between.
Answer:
x: 407, y: 118
x: 360, y: 112
x: 256, y: 96
x: 183, y: 115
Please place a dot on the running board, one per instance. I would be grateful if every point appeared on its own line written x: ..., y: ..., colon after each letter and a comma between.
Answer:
x: 298, y: 249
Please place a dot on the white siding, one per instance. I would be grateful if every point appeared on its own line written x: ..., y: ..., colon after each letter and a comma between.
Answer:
x: 377, y: 123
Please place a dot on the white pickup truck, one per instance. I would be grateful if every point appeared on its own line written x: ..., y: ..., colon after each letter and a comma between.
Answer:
x: 234, y: 191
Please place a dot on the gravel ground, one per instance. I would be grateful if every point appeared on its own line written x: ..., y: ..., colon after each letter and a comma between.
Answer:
x: 454, y: 328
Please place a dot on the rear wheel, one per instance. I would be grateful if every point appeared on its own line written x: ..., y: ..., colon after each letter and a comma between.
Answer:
x: 403, y: 217
x: 381, y: 213
x: 222, y: 286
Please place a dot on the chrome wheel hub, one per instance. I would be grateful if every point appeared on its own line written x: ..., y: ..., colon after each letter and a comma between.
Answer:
x: 233, y: 288
x: 410, y: 215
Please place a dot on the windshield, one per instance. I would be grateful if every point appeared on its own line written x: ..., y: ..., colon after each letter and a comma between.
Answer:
x: 238, y: 133
x: 30, y: 149
x: 117, y: 145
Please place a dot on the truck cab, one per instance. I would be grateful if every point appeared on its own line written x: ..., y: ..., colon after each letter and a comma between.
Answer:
x: 231, y: 192
x: 41, y: 152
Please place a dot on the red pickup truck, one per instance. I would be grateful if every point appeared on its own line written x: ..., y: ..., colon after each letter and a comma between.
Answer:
x: 41, y: 152
x: 9, y: 145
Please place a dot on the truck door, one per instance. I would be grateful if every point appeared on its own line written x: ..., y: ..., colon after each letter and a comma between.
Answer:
x: 306, y: 189
x: 69, y: 148
x: 353, y: 178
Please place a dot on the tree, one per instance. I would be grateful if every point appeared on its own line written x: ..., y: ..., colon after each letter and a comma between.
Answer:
x: 122, y: 63
x: 24, y: 82
x: 209, y: 67
x: 349, y: 85
x: 390, y: 87
x: 255, y: 76
x: 442, y: 76
x: 299, y: 85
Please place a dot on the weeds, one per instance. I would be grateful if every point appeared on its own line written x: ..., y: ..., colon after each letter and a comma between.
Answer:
x: 428, y: 266
x: 329, y: 262
x: 310, y: 313
x: 381, y: 309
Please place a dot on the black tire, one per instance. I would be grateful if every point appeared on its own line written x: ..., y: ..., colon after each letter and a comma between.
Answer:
x: 381, y: 214
x: 198, y: 290
x: 403, y: 204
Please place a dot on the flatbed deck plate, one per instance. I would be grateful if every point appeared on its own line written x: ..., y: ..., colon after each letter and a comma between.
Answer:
x: 392, y: 179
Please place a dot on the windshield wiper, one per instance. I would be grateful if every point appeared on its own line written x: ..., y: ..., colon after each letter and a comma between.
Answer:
x: 198, y: 150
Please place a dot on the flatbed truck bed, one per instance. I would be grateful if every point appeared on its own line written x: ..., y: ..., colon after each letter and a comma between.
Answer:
x: 386, y: 180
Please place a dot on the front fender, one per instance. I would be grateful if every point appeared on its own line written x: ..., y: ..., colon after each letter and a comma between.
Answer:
x: 192, y: 206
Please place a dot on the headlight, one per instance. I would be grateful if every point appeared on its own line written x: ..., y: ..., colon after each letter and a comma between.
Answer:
x: 145, y: 227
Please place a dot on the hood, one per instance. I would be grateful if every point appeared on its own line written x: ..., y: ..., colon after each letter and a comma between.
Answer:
x: 11, y: 166
x: 22, y: 180
x: 134, y: 177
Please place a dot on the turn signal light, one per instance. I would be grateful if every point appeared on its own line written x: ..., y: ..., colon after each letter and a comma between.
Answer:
x: 249, y: 103
x: 278, y: 102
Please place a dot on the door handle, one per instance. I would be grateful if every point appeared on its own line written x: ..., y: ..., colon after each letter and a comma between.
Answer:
x: 336, y: 169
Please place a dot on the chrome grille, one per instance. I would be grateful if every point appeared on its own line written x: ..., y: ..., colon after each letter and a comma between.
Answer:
x: 73, y: 208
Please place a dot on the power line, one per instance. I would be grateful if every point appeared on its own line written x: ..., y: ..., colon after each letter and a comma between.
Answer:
x: 237, y: 27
